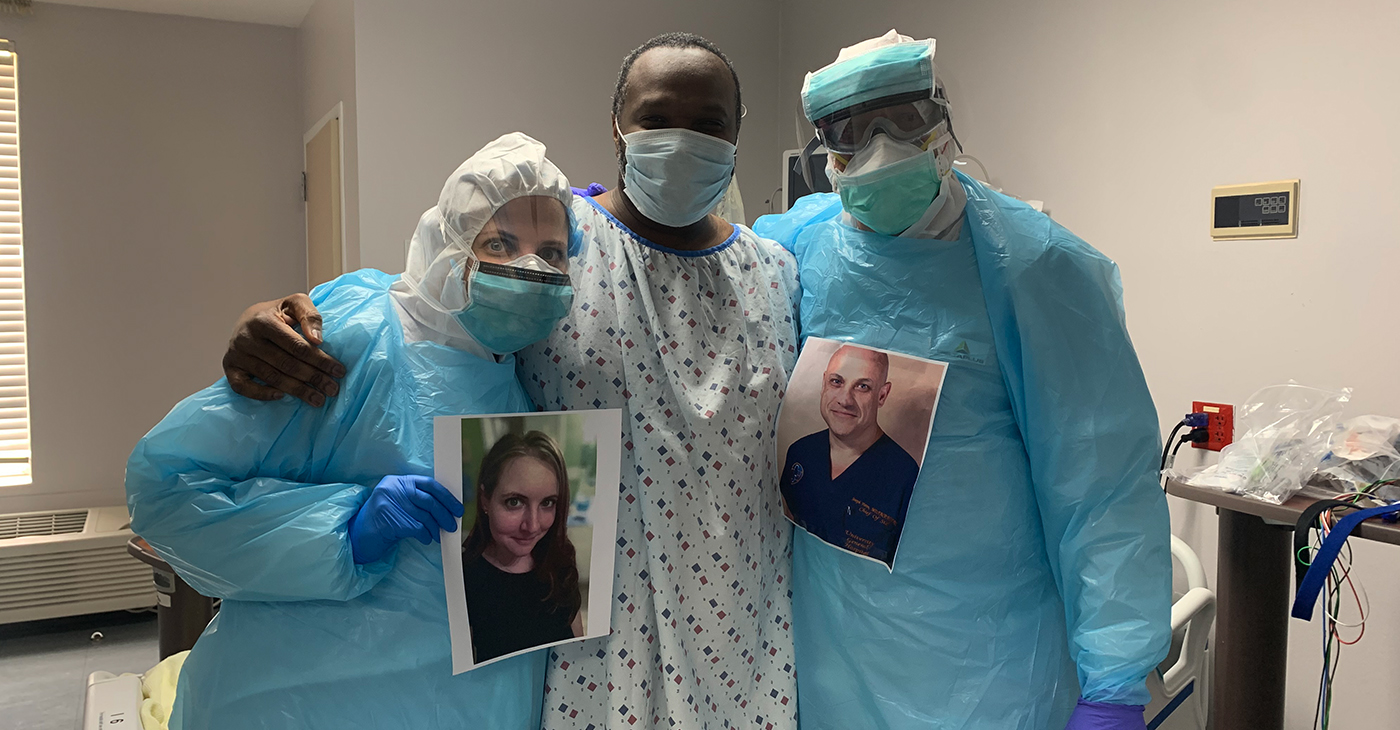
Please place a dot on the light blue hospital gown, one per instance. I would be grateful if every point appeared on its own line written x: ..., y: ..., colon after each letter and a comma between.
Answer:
x: 695, y: 348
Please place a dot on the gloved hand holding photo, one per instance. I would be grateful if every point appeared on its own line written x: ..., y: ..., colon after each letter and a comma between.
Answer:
x: 398, y: 508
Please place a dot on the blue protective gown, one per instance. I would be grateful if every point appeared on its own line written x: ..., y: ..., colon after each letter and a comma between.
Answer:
x: 249, y: 502
x: 1034, y: 562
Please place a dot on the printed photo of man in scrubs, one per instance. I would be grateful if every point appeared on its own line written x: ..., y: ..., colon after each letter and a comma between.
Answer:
x: 850, y: 483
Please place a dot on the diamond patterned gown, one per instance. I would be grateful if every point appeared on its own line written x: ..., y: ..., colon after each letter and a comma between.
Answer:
x: 695, y: 348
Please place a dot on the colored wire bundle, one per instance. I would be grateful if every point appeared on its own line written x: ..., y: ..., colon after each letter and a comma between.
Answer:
x: 1339, y: 584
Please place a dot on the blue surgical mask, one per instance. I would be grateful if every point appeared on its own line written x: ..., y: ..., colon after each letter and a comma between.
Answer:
x: 676, y: 176
x: 514, y: 305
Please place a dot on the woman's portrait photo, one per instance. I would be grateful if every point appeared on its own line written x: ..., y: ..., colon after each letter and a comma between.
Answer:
x: 540, y: 498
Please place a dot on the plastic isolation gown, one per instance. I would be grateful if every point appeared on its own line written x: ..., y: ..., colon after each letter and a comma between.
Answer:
x: 1035, y: 557
x: 249, y: 502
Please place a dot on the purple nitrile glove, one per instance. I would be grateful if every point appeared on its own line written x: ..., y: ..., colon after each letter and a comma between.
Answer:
x: 1106, y: 716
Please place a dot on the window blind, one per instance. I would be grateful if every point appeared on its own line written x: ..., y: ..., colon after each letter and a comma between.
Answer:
x: 14, y: 364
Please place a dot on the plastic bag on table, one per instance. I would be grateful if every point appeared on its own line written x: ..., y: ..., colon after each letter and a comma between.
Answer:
x: 1361, y: 452
x: 1285, y: 431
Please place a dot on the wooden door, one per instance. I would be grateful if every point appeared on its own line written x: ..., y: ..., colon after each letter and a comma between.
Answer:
x: 324, y: 237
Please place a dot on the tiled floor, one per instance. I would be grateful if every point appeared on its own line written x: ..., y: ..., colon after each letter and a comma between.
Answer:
x: 44, y: 665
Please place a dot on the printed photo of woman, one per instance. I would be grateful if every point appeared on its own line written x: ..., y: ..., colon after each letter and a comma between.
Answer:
x: 519, y: 567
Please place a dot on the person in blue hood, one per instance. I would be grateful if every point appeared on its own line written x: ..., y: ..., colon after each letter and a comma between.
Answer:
x: 1033, y: 585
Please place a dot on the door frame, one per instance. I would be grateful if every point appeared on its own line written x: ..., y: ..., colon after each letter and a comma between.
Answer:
x: 336, y: 112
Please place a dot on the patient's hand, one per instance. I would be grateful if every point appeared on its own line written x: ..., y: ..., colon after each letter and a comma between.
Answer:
x: 267, y: 358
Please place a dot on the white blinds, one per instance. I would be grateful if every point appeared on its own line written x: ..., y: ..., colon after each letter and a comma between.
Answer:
x: 14, y: 368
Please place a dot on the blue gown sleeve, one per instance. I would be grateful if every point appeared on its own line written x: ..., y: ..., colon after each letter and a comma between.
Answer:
x: 1090, y: 430
x: 809, y: 210
x: 197, y: 493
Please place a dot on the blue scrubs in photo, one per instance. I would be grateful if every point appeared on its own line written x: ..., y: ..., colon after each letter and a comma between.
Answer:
x: 862, y: 510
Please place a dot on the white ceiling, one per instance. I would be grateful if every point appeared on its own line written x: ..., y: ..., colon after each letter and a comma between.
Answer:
x: 270, y: 12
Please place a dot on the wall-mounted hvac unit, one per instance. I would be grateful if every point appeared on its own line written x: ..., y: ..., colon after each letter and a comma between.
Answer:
x: 68, y: 563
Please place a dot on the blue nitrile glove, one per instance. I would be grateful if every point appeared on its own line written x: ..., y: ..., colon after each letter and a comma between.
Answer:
x: 400, y: 507
x: 1106, y: 716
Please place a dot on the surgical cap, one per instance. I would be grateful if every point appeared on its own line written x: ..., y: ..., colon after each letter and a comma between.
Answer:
x: 513, y: 166
x: 889, y: 65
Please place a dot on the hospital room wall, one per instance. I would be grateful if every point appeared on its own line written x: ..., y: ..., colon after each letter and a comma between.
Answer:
x: 1122, y: 116
x: 161, y: 163
x: 437, y: 79
x: 326, y: 61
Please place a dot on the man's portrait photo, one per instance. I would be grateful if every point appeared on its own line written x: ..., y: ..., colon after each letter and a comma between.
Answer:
x: 852, y: 434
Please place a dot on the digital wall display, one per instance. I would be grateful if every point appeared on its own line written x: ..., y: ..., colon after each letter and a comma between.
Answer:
x: 1238, y: 211
x: 1255, y: 210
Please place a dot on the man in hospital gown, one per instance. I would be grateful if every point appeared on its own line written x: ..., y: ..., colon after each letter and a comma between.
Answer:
x: 849, y: 484
x: 1034, y: 573
x: 694, y: 344
x: 686, y: 323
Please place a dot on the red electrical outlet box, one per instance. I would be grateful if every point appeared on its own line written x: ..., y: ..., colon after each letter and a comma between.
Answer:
x: 1222, y: 424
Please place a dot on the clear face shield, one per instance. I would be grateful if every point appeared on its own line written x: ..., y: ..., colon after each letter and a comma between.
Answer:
x: 528, y: 237
x: 530, y: 232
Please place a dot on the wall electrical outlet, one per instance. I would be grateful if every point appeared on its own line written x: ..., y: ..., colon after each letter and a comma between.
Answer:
x: 1222, y: 424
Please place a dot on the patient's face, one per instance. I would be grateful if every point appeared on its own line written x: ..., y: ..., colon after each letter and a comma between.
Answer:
x: 522, y: 508
x: 679, y: 88
x: 529, y: 225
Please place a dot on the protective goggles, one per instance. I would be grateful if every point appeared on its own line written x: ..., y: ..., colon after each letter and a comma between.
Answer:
x: 909, y: 118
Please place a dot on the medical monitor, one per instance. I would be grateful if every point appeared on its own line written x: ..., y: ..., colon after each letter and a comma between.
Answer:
x: 794, y: 186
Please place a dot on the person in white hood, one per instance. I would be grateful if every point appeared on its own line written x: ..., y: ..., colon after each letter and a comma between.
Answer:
x: 298, y: 517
